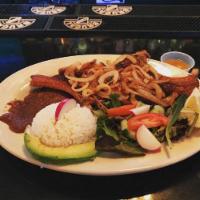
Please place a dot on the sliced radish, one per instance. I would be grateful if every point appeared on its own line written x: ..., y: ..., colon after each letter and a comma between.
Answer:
x: 146, y: 139
x: 140, y: 110
x: 64, y: 106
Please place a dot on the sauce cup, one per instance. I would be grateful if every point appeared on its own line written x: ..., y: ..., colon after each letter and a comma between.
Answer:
x: 179, y: 56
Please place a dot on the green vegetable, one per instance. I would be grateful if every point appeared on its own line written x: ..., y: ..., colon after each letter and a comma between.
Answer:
x: 158, y: 109
x: 175, y: 111
x: 113, y: 101
x: 126, y: 135
x: 179, y: 129
x: 130, y: 148
x: 108, y: 126
x: 110, y: 137
x: 109, y: 131
x: 107, y: 143
x: 193, y: 124
x: 159, y: 133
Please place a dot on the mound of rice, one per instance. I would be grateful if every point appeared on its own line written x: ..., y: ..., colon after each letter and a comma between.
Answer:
x: 74, y: 127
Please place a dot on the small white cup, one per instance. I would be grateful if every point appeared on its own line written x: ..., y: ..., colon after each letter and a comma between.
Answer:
x: 179, y: 55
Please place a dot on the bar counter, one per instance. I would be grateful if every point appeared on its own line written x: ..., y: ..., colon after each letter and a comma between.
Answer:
x: 49, y: 39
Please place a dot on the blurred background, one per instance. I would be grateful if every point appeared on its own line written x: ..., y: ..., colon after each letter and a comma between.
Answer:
x: 105, y: 1
x: 17, y: 53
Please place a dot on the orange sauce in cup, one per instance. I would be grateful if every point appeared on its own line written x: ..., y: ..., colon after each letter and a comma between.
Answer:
x: 177, y: 62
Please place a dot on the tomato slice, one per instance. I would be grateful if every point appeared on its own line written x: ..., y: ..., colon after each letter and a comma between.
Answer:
x: 150, y: 120
x: 121, y: 110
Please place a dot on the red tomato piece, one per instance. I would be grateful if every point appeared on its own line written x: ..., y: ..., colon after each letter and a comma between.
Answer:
x: 121, y: 110
x: 150, y: 120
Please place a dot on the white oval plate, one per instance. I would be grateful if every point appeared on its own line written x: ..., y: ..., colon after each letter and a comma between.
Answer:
x: 17, y: 85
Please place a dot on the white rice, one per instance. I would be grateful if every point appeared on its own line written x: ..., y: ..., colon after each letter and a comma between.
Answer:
x: 74, y: 127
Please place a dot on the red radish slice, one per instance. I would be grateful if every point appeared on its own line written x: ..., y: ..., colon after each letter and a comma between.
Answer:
x: 64, y: 106
x: 140, y: 110
x: 146, y: 139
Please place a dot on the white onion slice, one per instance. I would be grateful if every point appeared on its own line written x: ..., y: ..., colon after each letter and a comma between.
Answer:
x: 114, y: 74
x: 140, y: 110
x: 146, y: 139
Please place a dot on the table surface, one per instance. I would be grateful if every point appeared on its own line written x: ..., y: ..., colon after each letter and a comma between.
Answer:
x: 21, y: 181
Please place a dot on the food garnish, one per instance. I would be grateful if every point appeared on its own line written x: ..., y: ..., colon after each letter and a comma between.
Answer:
x: 146, y: 139
x: 140, y: 110
x: 150, y: 120
x: 175, y: 112
x: 121, y: 110
x: 63, y: 107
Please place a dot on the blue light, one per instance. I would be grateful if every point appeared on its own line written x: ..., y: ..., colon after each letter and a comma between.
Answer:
x: 65, y: 1
x: 53, y: 1
x: 110, y: 1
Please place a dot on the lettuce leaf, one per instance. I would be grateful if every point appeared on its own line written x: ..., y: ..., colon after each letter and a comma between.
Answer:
x: 175, y: 112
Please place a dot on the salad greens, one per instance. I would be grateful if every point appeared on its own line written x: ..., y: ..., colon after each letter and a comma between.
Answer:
x: 175, y: 111
x: 179, y: 128
x: 110, y: 137
x: 113, y: 101
x: 110, y: 132
x: 113, y: 134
